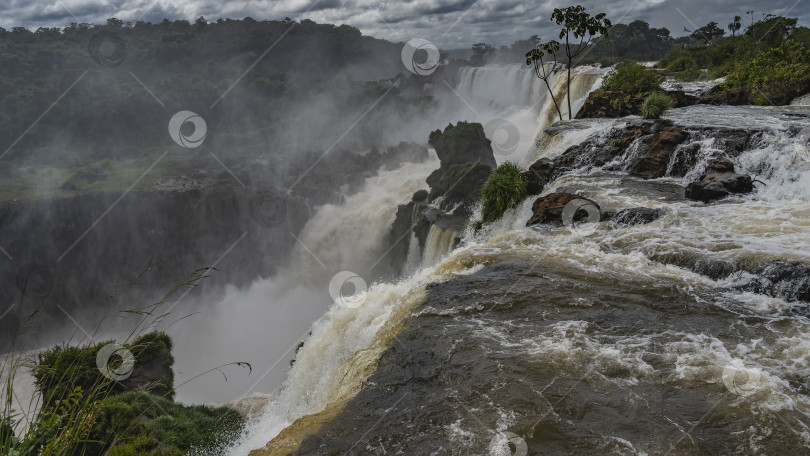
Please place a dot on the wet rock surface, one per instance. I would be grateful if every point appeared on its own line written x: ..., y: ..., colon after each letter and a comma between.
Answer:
x: 637, y: 216
x: 549, y: 209
x: 718, y: 182
x: 788, y: 281
x: 659, y: 149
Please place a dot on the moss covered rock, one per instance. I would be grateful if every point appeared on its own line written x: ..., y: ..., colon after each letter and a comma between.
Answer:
x: 459, y: 182
x: 136, y: 423
x: 462, y: 143
x: 61, y: 369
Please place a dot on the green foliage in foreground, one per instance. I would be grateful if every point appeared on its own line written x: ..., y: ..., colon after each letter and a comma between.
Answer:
x: 504, y: 189
x: 61, y: 369
x: 142, y: 423
x: 775, y: 76
x: 631, y: 78
x: 83, y: 412
x: 655, y: 105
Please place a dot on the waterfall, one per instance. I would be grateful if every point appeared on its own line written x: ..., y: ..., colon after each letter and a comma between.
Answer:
x: 439, y: 244
x: 515, y: 93
x: 345, y: 342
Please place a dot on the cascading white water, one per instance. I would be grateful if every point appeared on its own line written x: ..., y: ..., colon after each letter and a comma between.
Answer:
x: 346, y: 341
x: 439, y: 244
x: 337, y: 238
x: 515, y: 94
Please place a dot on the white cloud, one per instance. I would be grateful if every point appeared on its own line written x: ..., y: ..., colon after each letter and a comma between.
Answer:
x: 448, y: 23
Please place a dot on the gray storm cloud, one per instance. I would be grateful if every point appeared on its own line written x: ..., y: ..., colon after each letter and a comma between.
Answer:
x: 447, y: 23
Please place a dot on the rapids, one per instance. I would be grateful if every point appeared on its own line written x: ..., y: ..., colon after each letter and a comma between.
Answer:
x: 585, y: 340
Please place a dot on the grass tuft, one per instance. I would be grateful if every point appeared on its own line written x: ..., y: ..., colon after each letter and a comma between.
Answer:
x: 655, y: 105
x: 505, y: 188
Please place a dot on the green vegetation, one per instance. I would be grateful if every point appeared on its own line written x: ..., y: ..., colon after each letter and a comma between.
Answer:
x: 93, y: 405
x: 775, y: 76
x: 631, y: 78
x: 62, y: 369
x: 85, y: 412
x: 766, y: 64
x: 110, y: 115
x: 504, y: 189
x: 142, y: 423
x: 684, y: 68
x: 655, y: 105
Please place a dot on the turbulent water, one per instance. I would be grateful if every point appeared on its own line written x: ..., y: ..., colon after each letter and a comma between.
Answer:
x: 593, y: 340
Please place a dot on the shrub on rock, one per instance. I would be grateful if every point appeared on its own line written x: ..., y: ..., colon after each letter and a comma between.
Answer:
x: 505, y: 188
x: 655, y: 105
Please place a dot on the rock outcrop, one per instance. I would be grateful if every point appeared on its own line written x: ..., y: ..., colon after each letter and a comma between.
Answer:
x: 462, y: 143
x: 549, y: 209
x: 538, y: 175
x: 718, y: 182
x: 658, y: 150
x: 604, y: 104
x: 467, y: 160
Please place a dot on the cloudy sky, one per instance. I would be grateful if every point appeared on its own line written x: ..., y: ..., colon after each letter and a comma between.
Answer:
x: 447, y: 23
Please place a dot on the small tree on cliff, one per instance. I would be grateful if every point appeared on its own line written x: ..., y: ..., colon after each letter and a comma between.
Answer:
x: 578, y: 25
x: 536, y: 57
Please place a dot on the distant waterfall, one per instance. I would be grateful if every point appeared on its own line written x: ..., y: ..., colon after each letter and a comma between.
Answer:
x: 516, y: 94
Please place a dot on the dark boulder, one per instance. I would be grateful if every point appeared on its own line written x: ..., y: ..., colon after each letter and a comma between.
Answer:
x: 459, y: 182
x: 549, y: 209
x: 538, y: 175
x: 420, y: 196
x: 720, y: 165
x: 787, y: 281
x: 637, y: 216
x: 462, y: 143
x: 654, y: 159
x: 715, y: 185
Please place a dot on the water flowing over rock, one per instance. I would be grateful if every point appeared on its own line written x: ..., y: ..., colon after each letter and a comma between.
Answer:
x: 549, y: 209
x: 637, y: 216
x: 631, y: 306
x: 790, y: 282
x: 655, y: 159
x: 718, y: 182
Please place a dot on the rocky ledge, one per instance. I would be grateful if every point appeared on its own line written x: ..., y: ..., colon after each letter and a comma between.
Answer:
x: 650, y: 149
